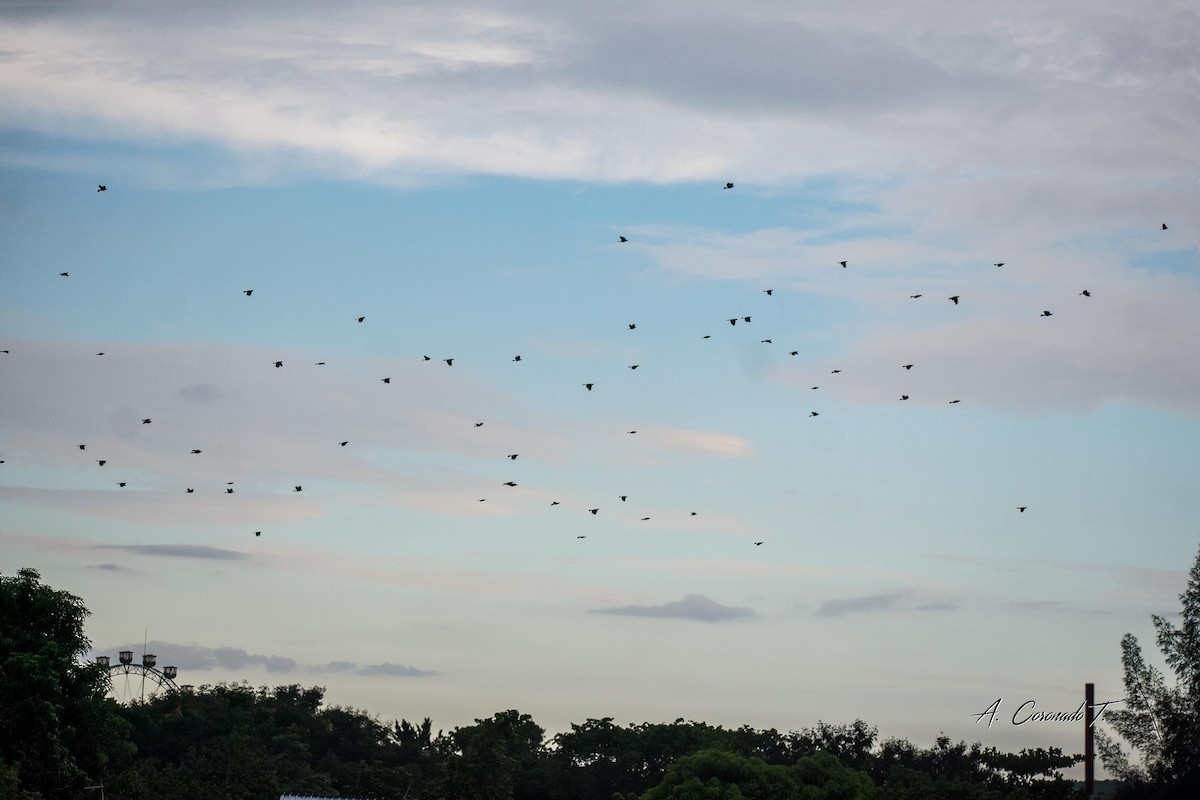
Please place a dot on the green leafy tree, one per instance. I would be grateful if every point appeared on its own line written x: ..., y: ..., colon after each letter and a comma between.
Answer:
x: 721, y: 775
x: 1161, y: 722
x: 58, y: 733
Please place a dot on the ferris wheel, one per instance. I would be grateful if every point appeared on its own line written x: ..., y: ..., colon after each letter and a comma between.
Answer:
x: 130, y: 683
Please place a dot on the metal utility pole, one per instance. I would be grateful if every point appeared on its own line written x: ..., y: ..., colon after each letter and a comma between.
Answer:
x: 1089, y: 741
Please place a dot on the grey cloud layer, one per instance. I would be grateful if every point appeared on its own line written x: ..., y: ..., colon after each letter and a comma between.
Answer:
x: 194, y: 658
x: 692, y: 606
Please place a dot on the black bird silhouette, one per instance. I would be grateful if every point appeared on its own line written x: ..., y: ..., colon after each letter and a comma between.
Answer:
x: 343, y: 444
x: 728, y: 186
x: 248, y: 292
x: 815, y: 387
x: 907, y: 366
x: 83, y: 447
x: 733, y: 321
x: 768, y: 292
x: 146, y: 421
x: 954, y: 299
x: 122, y: 484
x: 588, y: 386
x: 101, y: 461
x: 478, y: 424
x: 513, y: 456
x: 758, y: 544
x: 99, y: 354
x: 580, y: 537
x: 320, y: 364
x: 553, y: 502
x: 903, y: 397
x: 1164, y: 226
x: 645, y: 518
x: 634, y: 366
x: 794, y: 353
x: 835, y: 372
x: 516, y: 358
x: 509, y: 483
x: 386, y: 380
x: 103, y: 188
x: 914, y: 296
x: 632, y: 325
x: 706, y: 336
x: 813, y: 414
x: 229, y: 491
x: 692, y: 513
x: 258, y: 533
x: 952, y: 402
x: 631, y: 431
x: 1086, y: 293
x: 843, y: 263
x: 1022, y: 508
x: 195, y: 452
x: 1000, y: 264
x: 278, y: 364
x: 1047, y: 314
x: 449, y: 361
x: 623, y: 239
x: 427, y: 358
x: 298, y: 488
x: 360, y: 319
x: 594, y: 510
x: 766, y: 341
x: 623, y: 497
x: 64, y: 274
x: 190, y: 490
x: 746, y: 318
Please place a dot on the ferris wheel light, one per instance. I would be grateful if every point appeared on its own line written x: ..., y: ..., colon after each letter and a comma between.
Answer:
x: 102, y: 660
x: 126, y: 656
x: 148, y: 660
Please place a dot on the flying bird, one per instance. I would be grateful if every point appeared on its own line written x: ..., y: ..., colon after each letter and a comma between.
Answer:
x: 386, y: 380
x: 343, y: 444
x: 513, y: 456
x: 258, y: 533
x: 768, y: 292
x: 903, y: 397
x: 509, y: 483
x: 631, y: 431
x: 914, y: 296
x: 758, y: 544
x: 634, y: 366
x: 594, y: 510
x: 516, y: 358
x: 320, y: 364
x: 907, y: 366
x: 746, y: 318
x: 835, y: 372
x: 952, y: 402
x: 623, y: 239
x: 692, y: 513
x: 103, y: 188
x: 1022, y: 508
x: 766, y: 341
x: 190, y: 490
x: 1000, y: 264
x: 298, y: 488
x: 146, y: 421
x: 632, y: 325
x: 645, y: 518
x: 229, y: 491
x: 623, y: 497
x: 278, y: 364
x: 813, y: 414
x: 360, y: 319
x: 733, y: 321
x: 1164, y: 226
x: 728, y: 186
x: 553, y: 502
x: 82, y: 446
x: 794, y: 353
x: 580, y: 537
x: 99, y: 354
x: 843, y: 263
x: 1086, y: 293
x: 121, y: 484
x: 1047, y: 314
x: 195, y: 452
x: 588, y: 386
x: 248, y: 292
x: 64, y: 274
x: 814, y: 387
x: 478, y: 424
x: 427, y: 358
x: 954, y: 299
x: 449, y: 361
x: 101, y: 461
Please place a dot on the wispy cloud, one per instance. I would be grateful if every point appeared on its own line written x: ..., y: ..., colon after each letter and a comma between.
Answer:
x: 692, y: 606
x: 177, y: 551
x: 883, y: 601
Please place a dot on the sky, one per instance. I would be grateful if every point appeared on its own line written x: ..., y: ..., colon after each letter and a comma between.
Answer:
x: 754, y: 526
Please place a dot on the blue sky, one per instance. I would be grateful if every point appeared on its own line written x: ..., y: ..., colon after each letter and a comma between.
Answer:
x: 459, y: 175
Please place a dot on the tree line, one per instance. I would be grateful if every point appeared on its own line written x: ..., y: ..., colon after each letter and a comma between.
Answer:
x: 62, y: 737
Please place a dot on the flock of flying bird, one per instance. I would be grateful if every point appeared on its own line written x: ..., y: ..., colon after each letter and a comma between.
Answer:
x: 733, y: 321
